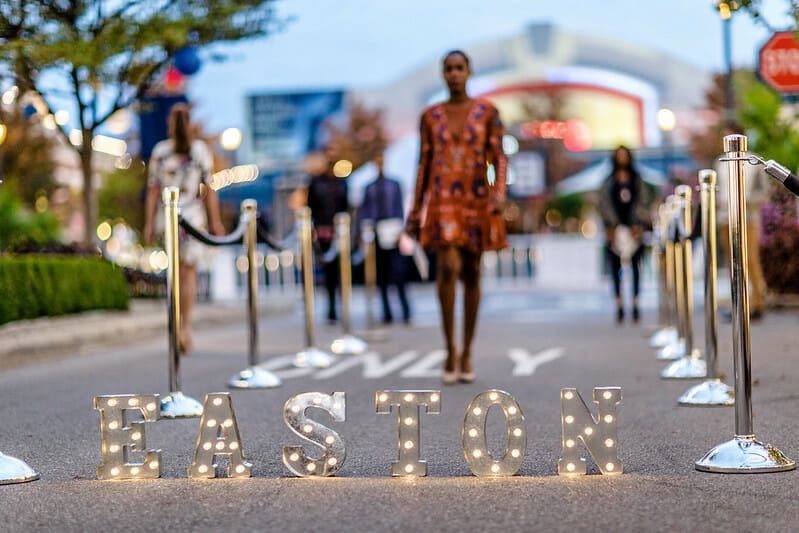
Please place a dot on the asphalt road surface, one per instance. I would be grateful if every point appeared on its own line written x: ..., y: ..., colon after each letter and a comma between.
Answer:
x: 531, y: 343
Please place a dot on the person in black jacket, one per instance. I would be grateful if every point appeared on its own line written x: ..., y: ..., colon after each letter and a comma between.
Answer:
x: 624, y: 208
x: 327, y: 195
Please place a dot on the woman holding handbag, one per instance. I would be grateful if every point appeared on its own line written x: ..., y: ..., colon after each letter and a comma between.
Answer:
x: 456, y: 211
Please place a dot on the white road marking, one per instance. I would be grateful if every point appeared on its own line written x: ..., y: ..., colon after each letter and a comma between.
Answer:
x: 526, y: 363
x: 428, y: 366
x: 286, y: 362
x: 373, y: 365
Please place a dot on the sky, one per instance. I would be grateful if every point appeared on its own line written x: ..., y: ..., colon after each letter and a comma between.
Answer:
x: 360, y: 44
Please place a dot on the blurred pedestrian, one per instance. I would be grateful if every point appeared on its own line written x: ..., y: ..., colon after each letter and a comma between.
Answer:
x: 382, y: 205
x: 624, y: 208
x: 456, y: 210
x: 185, y: 162
x: 327, y: 196
x: 757, y: 187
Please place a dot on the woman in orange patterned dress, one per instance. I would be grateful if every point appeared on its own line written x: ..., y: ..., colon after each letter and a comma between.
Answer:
x: 456, y: 211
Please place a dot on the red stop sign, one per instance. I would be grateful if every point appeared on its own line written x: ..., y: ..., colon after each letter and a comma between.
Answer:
x: 779, y: 62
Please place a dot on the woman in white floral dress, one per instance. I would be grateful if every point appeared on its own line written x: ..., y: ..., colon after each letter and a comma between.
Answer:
x: 186, y: 163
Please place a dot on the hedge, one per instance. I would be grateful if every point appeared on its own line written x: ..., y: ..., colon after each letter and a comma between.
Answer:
x: 34, y: 286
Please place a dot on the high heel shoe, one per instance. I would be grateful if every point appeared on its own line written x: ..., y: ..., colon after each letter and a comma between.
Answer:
x: 449, y: 378
x: 466, y: 377
x: 619, y: 315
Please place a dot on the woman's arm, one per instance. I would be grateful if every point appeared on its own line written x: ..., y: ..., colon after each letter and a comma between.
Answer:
x: 496, y: 156
x: 413, y: 225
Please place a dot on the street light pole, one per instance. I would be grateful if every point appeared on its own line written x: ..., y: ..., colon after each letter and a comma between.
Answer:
x: 726, y: 7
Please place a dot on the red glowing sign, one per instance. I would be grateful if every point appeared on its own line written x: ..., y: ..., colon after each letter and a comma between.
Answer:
x: 576, y: 134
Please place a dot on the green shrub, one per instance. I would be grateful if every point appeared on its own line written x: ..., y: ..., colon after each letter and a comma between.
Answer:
x: 33, y: 286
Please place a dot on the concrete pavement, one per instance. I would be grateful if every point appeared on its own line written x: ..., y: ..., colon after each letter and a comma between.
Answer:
x: 47, y: 420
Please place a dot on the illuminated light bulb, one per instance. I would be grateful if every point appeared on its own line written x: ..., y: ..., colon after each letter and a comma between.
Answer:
x: 477, y: 411
x: 115, y: 471
x: 240, y: 469
x: 570, y: 467
x: 307, y: 428
x: 217, y: 401
x: 136, y: 436
x: 220, y: 445
x: 383, y: 397
x: 113, y: 448
x: 310, y: 467
x: 608, y: 419
x: 113, y: 425
x: 477, y: 453
x: 203, y: 469
x: 408, y: 397
x: 493, y: 396
x: 332, y: 461
x: 569, y: 419
x: 409, y: 468
x: 133, y: 401
x: 330, y: 439
x: 517, y: 432
x: 515, y: 453
x: 207, y: 445
x: 569, y: 395
x: 211, y: 423
x: 472, y: 432
x: 153, y: 465
x: 151, y: 406
x: 409, y: 421
x: 495, y: 468
x: 570, y: 443
x: 296, y: 408
x: 511, y: 410
x: 317, y: 400
x: 336, y: 405
x: 607, y: 395
x: 609, y: 467
x: 434, y: 398
x: 408, y: 444
x: 112, y: 403
x: 293, y: 457
x: 588, y: 431
x: 234, y: 445
x: 609, y: 443
x: 227, y: 423
x: 134, y: 471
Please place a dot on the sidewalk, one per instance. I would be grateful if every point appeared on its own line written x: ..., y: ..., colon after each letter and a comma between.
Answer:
x: 58, y: 336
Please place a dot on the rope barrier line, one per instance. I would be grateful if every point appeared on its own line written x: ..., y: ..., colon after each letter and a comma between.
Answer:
x: 235, y: 237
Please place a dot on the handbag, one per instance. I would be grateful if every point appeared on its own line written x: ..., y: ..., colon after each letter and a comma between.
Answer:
x: 388, y: 232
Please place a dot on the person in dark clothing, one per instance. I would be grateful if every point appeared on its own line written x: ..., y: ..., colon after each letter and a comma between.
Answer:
x: 327, y: 195
x: 382, y: 205
x: 624, y: 208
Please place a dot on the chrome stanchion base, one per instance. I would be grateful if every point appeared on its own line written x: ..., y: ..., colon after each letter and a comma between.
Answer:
x: 313, y: 358
x: 13, y: 470
x: 744, y: 455
x: 664, y: 337
x: 688, y: 367
x: 178, y: 405
x: 672, y: 351
x: 709, y: 393
x: 254, y: 378
x: 349, y: 345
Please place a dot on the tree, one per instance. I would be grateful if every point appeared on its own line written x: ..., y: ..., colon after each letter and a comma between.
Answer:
x: 362, y: 138
x: 111, y: 53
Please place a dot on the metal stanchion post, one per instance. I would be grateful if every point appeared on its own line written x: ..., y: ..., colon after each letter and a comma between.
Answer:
x: 711, y: 391
x: 675, y: 349
x: 347, y: 344
x: 373, y: 333
x: 175, y: 404
x: 310, y: 356
x: 690, y: 365
x: 252, y: 377
x: 668, y: 334
x: 742, y: 454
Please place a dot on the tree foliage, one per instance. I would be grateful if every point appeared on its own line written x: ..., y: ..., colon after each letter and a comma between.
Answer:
x: 109, y: 53
x: 362, y: 138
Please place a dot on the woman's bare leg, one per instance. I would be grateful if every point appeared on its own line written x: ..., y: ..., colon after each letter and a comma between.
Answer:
x: 188, y: 294
x: 448, y: 271
x: 470, y: 274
